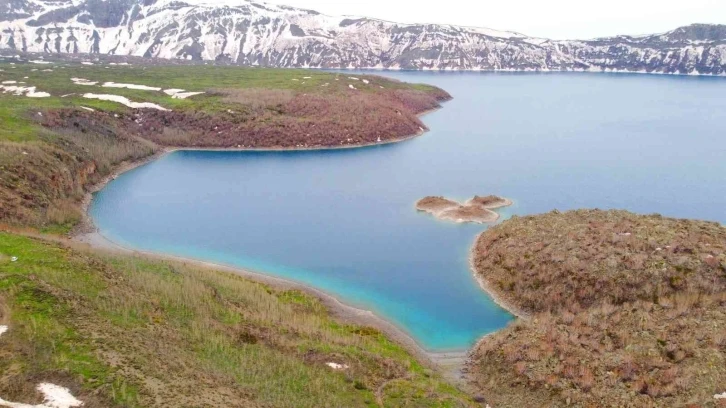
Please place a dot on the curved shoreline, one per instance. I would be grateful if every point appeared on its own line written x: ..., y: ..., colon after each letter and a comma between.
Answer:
x: 450, y: 363
x: 87, y: 225
x: 486, y: 286
x: 496, y: 297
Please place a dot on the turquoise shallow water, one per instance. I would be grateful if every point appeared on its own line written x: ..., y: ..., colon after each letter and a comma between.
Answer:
x: 343, y: 220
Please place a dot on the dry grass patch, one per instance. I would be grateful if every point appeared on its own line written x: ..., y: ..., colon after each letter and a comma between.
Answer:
x: 257, y: 99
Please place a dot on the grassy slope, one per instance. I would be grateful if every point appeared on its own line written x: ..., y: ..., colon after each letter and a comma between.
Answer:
x: 627, y: 310
x: 51, y: 150
x: 125, y: 331
x: 17, y: 126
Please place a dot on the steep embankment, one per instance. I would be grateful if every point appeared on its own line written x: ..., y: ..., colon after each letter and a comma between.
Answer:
x: 53, y: 148
x: 132, y: 332
x: 625, y: 310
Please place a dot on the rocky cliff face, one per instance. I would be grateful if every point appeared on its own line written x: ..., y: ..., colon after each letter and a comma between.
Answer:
x: 251, y: 33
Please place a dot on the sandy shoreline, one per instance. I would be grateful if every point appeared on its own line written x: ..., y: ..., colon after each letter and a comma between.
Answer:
x: 87, y: 234
x: 449, y: 362
x: 87, y: 225
x: 498, y: 298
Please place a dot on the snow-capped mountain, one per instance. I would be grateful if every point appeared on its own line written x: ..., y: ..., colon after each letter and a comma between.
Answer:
x: 253, y: 33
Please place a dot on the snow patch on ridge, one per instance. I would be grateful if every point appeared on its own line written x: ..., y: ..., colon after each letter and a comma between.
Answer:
x: 81, y: 81
x: 54, y: 396
x: 336, y: 366
x: 28, y: 91
x: 180, y: 93
x: 125, y: 101
x: 131, y: 86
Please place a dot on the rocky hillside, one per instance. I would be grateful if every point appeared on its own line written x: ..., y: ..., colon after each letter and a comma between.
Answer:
x: 252, y: 33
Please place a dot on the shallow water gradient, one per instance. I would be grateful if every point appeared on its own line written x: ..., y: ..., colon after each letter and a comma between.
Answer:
x: 344, y: 220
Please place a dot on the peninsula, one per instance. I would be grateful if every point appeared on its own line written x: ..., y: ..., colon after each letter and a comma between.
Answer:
x: 92, y: 120
x: 616, y: 309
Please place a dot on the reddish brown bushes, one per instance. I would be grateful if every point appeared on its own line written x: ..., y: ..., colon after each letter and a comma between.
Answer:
x: 622, y: 258
x: 41, y: 184
x: 257, y: 99
x: 272, y: 119
x: 638, y: 321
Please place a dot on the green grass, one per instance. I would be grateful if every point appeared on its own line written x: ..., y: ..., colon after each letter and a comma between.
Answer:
x: 129, y: 331
x: 17, y: 125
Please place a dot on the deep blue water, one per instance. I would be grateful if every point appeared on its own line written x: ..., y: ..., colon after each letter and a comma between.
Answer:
x: 344, y: 220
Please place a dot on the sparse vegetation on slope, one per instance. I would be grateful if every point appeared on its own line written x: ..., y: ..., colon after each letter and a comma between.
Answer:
x: 133, y: 332
x: 625, y: 310
x: 52, y: 149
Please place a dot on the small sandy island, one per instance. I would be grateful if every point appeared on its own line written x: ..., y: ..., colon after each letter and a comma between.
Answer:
x: 477, y: 210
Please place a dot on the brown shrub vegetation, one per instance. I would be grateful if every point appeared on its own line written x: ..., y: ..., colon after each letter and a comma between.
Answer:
x: 490, y: 201
x: 257, y: 99
x: 435, y: 204
x: 271, y: 119
x: 610, y: 325
x: 40, y: 182
x: 572, y: 261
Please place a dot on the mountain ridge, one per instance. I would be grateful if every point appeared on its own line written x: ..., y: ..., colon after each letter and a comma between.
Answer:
x: 259, y: 34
